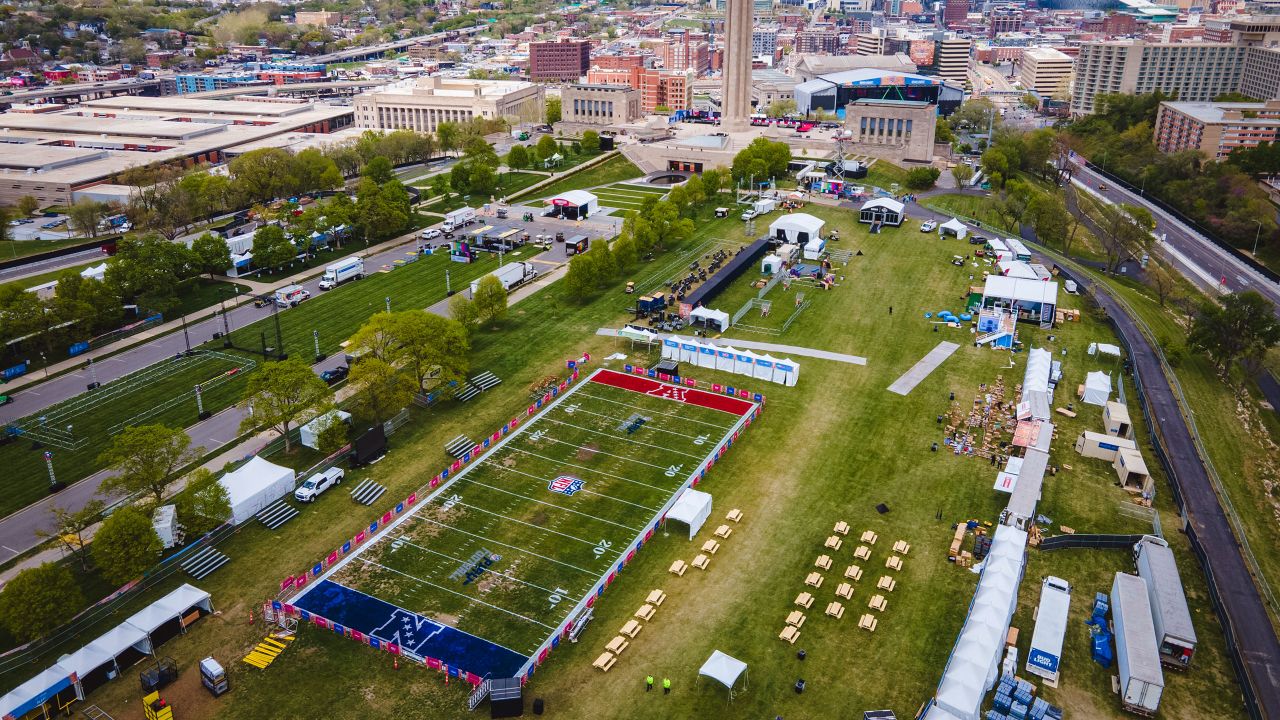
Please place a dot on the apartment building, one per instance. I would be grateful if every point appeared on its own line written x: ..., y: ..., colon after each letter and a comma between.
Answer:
x: 685, y: 53
x: 818, y: 41
x: 672, y: 89
x: 561, y: 61
x: 1260, y: 76
x: 1215, y: 129
x: 1045, y: 70
x: 764, y: 41
x: 1195, y: 72
x: 952, y: 60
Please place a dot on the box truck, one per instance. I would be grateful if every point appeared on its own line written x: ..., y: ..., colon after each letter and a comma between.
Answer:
x: 510, y: 275
x: 1175, y: 637
x: 1051, y: 626
x: 291, y: 295
x: 340, y: 272
x: 459, y: 218
x: 1137, y: 657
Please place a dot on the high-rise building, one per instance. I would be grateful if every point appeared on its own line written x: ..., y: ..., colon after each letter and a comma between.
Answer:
x: 1004, y: 19
x: 817, y: 41
x: 952, y: 59
x: 1260, y: 76
x: 870, y: 43
x: 954, y: 12
x: 683, y: 53
x: 1045, y: 70
x: 1215, y: 129
x: 563, y: 61
x: 1194, y: 72
x: 764, y: 40
x: 672, y: 89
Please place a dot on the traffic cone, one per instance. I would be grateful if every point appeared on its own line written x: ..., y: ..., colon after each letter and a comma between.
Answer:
x: 395, y: 662
x: 250, y: 616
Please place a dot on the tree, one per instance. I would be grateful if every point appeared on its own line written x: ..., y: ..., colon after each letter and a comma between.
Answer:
x: 377, y: 338
x: 624, y: 252
x: 591, y: 142
x: 1125, y: 232
x: 1051, y: 221
x: 39, y: 600
x: 580, y: 281
x: 144, y: 459
x: 962, y: 174
x: 379, y: 170
x: 1013, y: 201
x: 85, y: 215
x: 126, y: 545
x: 379, y: 389
x: 713, y: 181
x: 204, y: 505
x: 271, y: 247
x: 261, y: 175
x: 449, y: 136
x: 282, y: 393
x: 518, y: 157
x: 974, y: 114
x: 71, y: 526
x: 922, y: 178
x: 1244, y: 325
x: 761, y: 160
x: 463, y: 311
x: 1161, y: 280
x: 780, y: 108
x: 482, y: 178
x: 553, y: 110
x: 942, y: 132
x: 696, y: 190
x: 333, y: 436
x: 490, y: 300
x: 996, y: 164
x: 546, y: 147
x: 211, y: 254
x: 478, y: 150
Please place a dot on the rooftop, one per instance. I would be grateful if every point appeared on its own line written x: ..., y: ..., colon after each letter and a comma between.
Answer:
x: 454, y: 87
x: 178, y: 104
x: 1211, y: 112
x: 1046, y: 53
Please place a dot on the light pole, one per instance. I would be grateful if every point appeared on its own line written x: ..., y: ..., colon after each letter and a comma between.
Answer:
x: 1256, y: 236
x: 388, y: 303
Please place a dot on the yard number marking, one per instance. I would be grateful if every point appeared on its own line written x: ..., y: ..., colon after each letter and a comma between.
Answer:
x: 557, y: 596
x: 449, y: 502
x: 601, y: 548
x: 672, y: 470
x: 700, y: 440
x: 538, y: 434
x: 570, y: 409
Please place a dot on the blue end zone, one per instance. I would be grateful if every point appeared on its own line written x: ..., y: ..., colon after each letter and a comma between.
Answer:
x: 412, y: 632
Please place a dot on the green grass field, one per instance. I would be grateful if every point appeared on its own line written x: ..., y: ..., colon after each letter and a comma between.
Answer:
x: 12, y: 249
x: 626, y: 197
x: 162, y: 393
x: 615, y: 169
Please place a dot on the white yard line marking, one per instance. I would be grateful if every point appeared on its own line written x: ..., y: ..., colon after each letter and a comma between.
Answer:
x: 558, y: 507
x: 403, y: 539
x: 508, y: 518
x: 543, y: 481
x: 366, y: 561
x: 566, y: 463
x: 646, y: 426
x: 617, y: 437
x: 495, y: 542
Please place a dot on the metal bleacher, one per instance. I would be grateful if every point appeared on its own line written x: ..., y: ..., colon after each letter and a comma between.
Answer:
x: 459, y: 446
x: 367, y: 492
x: 476, y: 385
x: 276, y: 514
x: 204, y: 562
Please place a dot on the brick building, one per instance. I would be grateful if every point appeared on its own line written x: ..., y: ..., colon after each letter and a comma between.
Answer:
x: 563, y: 61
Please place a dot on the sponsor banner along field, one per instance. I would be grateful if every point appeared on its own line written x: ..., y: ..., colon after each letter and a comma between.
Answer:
x: 484, y: 576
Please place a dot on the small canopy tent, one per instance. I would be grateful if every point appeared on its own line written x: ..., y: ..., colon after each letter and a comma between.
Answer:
x: 671, y: 348
x: 707, y: 355
x: 635, y: 335
x: 1105, y: 349
x: 814, y: 249
x: 744, y: 362
x: 1097, y: 388
x: 95, y: 272
x: 51, y: 690
x: 692, y: 508
x: 771, y: 265
x: 171, y: 614
x: 574, y: 205
x: 725, y: 358
x: 254, y: 486
x: 797, y: 228
x: 954, y: 227
x: 310, y: 433
x: 710, y: 318
x: 105, y: 658
x: 882, y: 210
x: 725, y: 670
x: 786, y: 372
x: 764, y: 367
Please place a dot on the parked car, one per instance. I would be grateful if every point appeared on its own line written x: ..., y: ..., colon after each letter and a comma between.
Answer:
x: 53, y: 224
x: 6, y: 399
x: 318, y: 483
x: 335, y: 375
x: 928, y: 226
x: 749, y: 215
x: 431, y: 233
x: 977, y: 240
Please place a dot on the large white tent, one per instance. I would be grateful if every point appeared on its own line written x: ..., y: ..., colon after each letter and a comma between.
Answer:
x: 309, y: 434
x: 1036, y: 297
x: 254, y: 486
x: 709, y: 317
x: 1035, y: 384
x: 883, y: 210
x: 692, y: 508
x: 954, y: 227
x: 1097, y: 388
x: 102, y: 654
x: 1017, y: 269
x: 174, y: 606
x: 37, y: 691
x: 797, y: 228
x: 94, y: 272
x: 725, y: 670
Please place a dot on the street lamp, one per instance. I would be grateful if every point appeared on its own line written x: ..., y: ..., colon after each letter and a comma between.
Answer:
x: 1256, y: 236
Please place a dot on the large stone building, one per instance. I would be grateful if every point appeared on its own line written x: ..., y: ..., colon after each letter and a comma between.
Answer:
x: 424, y: 103
x: 600, y: 104
x: 1215, y: 129
x: 562, y: 61
x: 896, y: 129
x: 1045, y: 70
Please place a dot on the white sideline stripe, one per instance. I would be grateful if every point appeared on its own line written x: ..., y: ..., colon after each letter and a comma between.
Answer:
x: 542, y: 482
x: 488, y: 539
x: 403, y: 539
x: 367, y: 561
x: 721, y: 428
x: 553, y: 505
x: 508, y: 518
x: 646, y: 426
x: 618, y: 437
x: 598, y: 472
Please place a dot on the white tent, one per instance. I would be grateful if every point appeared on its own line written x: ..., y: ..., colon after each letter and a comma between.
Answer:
x: 797, y: 228
x: 885, y: 210
x: 718, y: 318
x: 1104, y: 348
x: 1035, y: 384
x: 1097, y: 388
x: 688, y: 351
x: 706, y: 355
x: 764, y: 367
x: 771, y: 264
x: 37, y: 691
x: 636, y: 334
x: 786, y: 372
x: 96, y: 272
x: 725, y: 670
x: 744, y: 362
x: 254, y: 486
x: 725, y: 358
x: 310, y: 433
x: 671, y: 348
x: 954, y: 227
x: 169, y: 608
x: 1017, y: 269
x: 692, y: 508
x: 814, y: 248
x: 105, y: 650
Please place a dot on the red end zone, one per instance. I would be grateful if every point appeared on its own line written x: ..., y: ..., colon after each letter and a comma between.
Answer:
x: 690, y: 396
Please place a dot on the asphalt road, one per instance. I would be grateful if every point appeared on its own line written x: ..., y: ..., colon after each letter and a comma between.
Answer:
x: 39, y: 267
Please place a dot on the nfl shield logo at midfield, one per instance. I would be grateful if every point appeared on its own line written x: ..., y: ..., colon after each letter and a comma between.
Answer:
x: 565, y: 485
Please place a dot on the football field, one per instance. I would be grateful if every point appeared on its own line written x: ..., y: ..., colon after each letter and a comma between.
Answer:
x: 483, y: 574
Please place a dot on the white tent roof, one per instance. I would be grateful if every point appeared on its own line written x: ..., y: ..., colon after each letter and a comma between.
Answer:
x: 635, y: 333
x: 1039, y: 364
x: 723, y: 669
x: 96, y: 271
x: 955, y: 226
x: 1097, y: 388
x: 693, y: 507
x: 1020, y: 289
x: 719, y: 317
x: 886, y: 203
x: 1104, y: 348
x: 28, y: 696
x: 167, y: 608
x: 104, y: 649
x: 1017, y: 269
x: 797, y: 222
x: 574, y: 197
x: 253, y: 484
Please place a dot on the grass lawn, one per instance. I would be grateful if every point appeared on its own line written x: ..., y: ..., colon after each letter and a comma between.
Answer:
x: 625, y: 197
x: 11, y: 249
x: 199, y: 293
x: 42, y: 278
x: 882, y: 174
x: 829, y: 449
x: 974, y: 207
x: 509, y: 184
x: 615, y: 169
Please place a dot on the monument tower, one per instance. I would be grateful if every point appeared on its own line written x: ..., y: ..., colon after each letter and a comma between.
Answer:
x: 735, y: 99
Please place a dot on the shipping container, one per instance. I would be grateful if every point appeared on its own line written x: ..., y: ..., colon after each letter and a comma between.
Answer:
x: 1137, y: 657
x: 1175, y: 637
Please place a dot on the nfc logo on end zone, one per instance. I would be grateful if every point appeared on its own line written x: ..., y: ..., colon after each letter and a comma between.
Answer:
x: 408, y: 630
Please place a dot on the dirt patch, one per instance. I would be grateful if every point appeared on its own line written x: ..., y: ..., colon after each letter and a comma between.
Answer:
x: 491, y: 581
x: 586, y: 452
x: 539, y: 518
x: 446, y: 619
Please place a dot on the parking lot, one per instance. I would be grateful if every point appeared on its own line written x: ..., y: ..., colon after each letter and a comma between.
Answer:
x: 37, y: 228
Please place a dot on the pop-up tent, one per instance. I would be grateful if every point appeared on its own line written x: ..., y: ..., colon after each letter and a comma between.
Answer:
x: 310, y: 433
x: 692, y: 508
x: 635, y: 334
x: 725, y: 358
x: 706, y: 355
x: 764, y: 367
x: 1104, y: 348
x: 671, y: 348
x: 1097, y: 388
x: 711, y: 318
x: 786, y: 372
x: 688, y: 351
x: 954, y: 227
x: 744, y: 362
x: 254, y: 486
x: 725, y: 670
x: 95, y: 272
x: 814, y: 248
x: 771, y: 264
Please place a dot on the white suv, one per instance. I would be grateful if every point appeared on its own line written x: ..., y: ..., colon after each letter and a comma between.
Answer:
x: 318, y: 483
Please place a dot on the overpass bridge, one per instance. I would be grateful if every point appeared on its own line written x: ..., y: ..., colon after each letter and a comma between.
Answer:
x: 79, y: 92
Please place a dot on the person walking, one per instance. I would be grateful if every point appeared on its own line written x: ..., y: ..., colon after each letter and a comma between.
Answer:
x: 648, y: 683
x: 666, y: 686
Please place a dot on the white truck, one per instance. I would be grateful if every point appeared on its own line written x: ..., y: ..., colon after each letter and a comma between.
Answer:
x: 290, y: 295
x: 318, y: 483
x: 1137, y: 657
x: 764, y: 206
x: 459, y: 218
x: 340, y: 272
x: 511, y: 275
x: 1045, y: 655
x: 1175, y: 636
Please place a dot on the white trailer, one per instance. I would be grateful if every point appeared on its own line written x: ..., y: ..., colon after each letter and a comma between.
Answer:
x: 511, y: 275
x: 340, y: 272
x: 1175, y: 636
x: 459, y: 218
x: 763, y: 206
x: 1102, y: 446
x: 1137, y: 657
x: 1045, y: 655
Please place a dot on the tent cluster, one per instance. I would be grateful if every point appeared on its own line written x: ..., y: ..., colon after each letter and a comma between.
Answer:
x: 727, y: 359
x: 107, y: 656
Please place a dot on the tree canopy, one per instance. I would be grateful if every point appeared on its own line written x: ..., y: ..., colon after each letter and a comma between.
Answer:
x: 126, y: 545
x: 1242, y: 325
x: 283, y: 393
x: 144, y: 459
x: 38, y: 600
